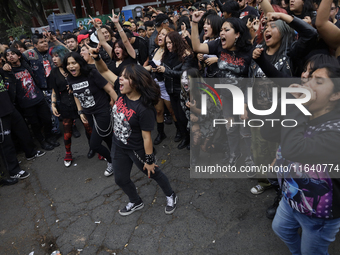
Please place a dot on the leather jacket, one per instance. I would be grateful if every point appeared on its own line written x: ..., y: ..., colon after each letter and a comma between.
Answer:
x: 172, y: 75
x: 36, y: 61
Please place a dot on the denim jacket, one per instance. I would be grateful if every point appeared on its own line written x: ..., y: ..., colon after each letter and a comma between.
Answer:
x: 36, y: 61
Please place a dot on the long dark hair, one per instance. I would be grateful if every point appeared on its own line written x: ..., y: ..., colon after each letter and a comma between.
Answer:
x: 215, y: 22
x: 321, y: 59
x: 85, y: 70
x: 143, y: 83
x: 121, y: 45
x: 287, y: 37
x: 179, y: 47
x: 243, y: 43
x: 307, y: 9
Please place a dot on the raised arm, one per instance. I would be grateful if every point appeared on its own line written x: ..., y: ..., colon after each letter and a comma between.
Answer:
x: 101, y: 37
x: 103, y: 70
x: 327, y: 30
x: 125, y: 40
x: 197, y: 46
x: 266, y: 6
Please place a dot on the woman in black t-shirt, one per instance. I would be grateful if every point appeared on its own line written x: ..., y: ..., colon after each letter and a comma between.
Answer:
x: 234, y: 51
x: 134, y: 118
x: 67, y: 107
x: 89, y: 90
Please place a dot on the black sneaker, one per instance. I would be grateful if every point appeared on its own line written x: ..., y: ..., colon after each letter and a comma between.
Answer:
x: 171, y: 203
x: 130, y: 208
x: 37, y: 155
x: 21, y: 175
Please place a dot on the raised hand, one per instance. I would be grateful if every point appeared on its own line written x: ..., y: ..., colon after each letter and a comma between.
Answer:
x: 114, y: 18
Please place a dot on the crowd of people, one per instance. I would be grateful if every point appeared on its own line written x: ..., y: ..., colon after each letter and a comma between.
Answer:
x: 122, y: 77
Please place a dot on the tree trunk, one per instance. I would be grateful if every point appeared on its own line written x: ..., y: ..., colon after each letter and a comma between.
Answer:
x: 88, y: 8
x: 111, y: 6
x: 68, y: 6
x: 61, y: 6
x: 79, y: 11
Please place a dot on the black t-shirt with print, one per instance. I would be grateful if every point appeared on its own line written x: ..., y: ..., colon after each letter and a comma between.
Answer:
x: 6, y: 106
x: 249, y: 10
x: 89, y: 90
x: 130, y: 118
x: 232, y: 64
x: 27, y: 93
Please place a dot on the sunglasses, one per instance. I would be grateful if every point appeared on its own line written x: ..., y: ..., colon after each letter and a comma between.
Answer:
x: 239, y: 1
x: 153, y: 16
x: 333, y: 8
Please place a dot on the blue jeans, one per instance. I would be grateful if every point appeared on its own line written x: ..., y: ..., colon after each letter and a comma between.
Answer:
x: 317, y: 234
x: 122, y: 161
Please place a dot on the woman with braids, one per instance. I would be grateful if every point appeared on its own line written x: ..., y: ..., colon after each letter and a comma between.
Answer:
x: 67, y: 108
x: 134, y: 118
x: 90, y: 91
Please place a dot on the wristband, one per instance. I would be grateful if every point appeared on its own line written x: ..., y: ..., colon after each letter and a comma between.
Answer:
x: 80, y: 112
x: 150, y: 158
x: 120, y: 30
x: 195, y: 22
x: 97, y: 58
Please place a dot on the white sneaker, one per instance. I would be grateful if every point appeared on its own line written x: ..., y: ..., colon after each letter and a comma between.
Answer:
x: 67, y: 163
x: 109, y: 170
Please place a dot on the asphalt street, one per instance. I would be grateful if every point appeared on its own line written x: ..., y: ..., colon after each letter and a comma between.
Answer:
x: 75, y: 210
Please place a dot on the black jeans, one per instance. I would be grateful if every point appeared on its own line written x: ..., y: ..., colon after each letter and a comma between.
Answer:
x: 14, y: 123
x: 122, y: 160
x: 39, y: 116
x: 179, y: 113
x: 103, y: 121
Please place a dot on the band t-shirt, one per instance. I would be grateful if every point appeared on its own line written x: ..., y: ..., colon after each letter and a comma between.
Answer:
x: 27, y: 93
x: 89, y: 90
x: 232, y: 64
x: 130, y: 118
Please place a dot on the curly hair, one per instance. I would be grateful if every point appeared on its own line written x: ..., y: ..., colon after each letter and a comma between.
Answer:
x: 179, y: 47
x: 167, y: 29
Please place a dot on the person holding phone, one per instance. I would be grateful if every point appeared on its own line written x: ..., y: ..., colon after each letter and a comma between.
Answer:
x: 156, y: 57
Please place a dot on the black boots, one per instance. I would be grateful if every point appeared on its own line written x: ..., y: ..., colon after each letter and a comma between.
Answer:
x: 161, y: 135
x: 271, y: 210
x: 178, y: 136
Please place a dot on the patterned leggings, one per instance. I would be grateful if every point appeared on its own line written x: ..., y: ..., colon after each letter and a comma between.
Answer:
x: 68, y: 123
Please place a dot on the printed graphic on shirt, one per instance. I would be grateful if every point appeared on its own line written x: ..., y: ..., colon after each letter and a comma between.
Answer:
x: 47, y: 67
x: 27, y: 84
x: 2, y: 85
x: 230, y: 65
x: 243, y: 14
x: 85, y: 97
x: 308, y: 187
x: 121, y: 116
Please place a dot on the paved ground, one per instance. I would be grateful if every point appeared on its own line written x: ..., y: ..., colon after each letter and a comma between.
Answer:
x: 75, y: 210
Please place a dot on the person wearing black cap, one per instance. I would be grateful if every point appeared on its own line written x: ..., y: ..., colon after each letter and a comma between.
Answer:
x: 161, y: 21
